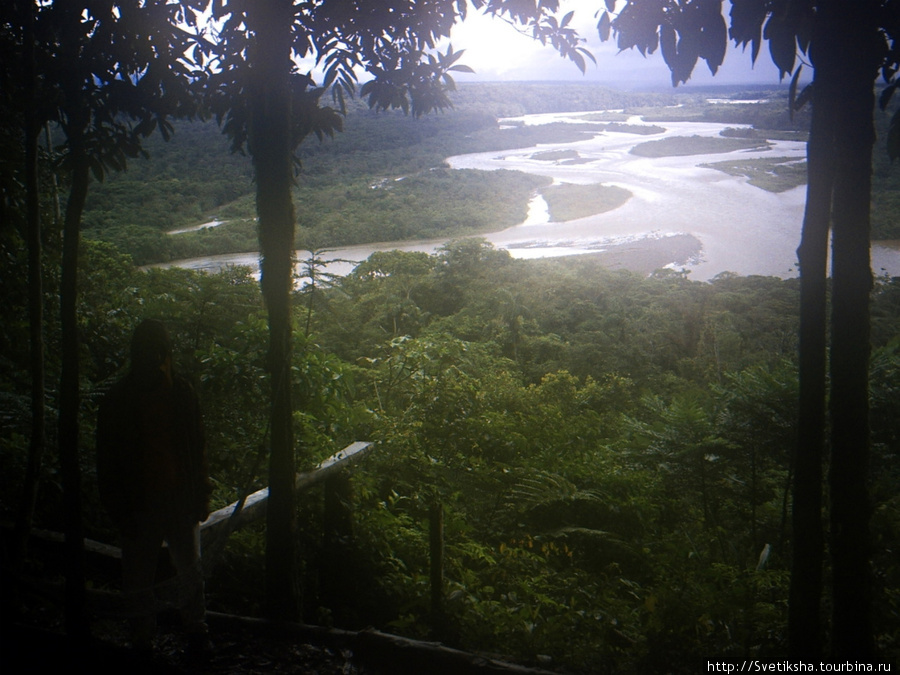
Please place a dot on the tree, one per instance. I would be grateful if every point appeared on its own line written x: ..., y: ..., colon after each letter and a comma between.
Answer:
x: 107, y: 74
x: 265, y: 104
x: 120, y: 76
x: 847, y: 43
x: 19, y: 44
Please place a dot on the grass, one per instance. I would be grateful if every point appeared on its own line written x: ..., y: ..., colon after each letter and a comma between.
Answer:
x: 775, y: 174
x: 570, y: 202
x: 555, y: 155
x: 564, y: 157
x: 641, y: 129
x: 605, y: 116
x: 678, y: 146
x: 684, y: 113
x: 766, y: 134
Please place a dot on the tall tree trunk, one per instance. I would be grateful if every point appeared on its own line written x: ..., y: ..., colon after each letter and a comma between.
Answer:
x: 270, y: 146
x: 850, y: 350
x: 35, y: 304
x: 804, y: 621
x: 69, y: 398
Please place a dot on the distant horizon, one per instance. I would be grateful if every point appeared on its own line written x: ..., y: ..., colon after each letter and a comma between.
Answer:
x: 635, y: 87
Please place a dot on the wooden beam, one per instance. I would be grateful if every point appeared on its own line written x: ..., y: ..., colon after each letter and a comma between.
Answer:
x: 90, y: 545
x: 255, y: 505
x: 339, y: 460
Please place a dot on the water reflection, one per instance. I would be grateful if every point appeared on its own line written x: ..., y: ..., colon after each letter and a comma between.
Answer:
x: 737, y: 227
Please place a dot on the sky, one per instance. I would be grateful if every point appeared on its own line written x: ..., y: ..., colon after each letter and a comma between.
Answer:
x: 498, y: 52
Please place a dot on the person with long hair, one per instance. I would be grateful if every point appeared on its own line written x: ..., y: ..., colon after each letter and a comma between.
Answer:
x: 153, y: 478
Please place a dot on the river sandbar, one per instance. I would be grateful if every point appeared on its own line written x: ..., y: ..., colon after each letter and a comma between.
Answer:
x: 650, y: 254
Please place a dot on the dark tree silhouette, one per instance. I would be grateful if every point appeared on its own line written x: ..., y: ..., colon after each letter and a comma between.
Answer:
x: 108, y: 75
x: 20, y: 98
x: 847, y: 43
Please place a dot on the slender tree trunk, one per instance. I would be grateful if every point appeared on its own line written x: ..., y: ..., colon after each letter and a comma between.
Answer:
x: 270, y: 146
x: 804, y: 621
x: 69, y: 398
x: 436, y: 568
x: 54, y: 183
x: 754, y: 492
x: 337, y: 533
x: 852, y: 286
x: 35, y: 308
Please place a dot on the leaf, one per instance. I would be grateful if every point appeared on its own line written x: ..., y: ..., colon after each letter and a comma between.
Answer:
x: 97, y: 169
x: 792, y: 92
x: 578, y: 60
x: 764, y: 557
x: 165, y: 127
x: 146, y: 126
x: 893, y: 139
x: 451, y: 57
x: 667, y: 45
x: 805, y: 96
x: 687, y: 54
x: 754, y: 50
x: 542, y: 487
x: 782, y: 45
x: 587, y: 53
x: 804, y: 33
x: 713, y: 42
x: 603, y: 27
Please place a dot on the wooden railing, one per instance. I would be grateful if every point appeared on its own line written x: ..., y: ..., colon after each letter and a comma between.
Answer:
x: 391, y: 651
x: 254, y: 506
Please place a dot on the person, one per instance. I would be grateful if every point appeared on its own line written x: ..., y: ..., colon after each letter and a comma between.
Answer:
x: 153, y: 478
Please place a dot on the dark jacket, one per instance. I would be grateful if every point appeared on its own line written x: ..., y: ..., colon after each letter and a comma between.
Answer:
x: 151, y: 446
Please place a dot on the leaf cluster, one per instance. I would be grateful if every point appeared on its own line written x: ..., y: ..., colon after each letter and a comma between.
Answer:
x: 393, y: 42
x: 111, y: 74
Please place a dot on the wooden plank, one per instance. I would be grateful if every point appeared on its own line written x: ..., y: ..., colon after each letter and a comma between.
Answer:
x: 339, y: 460
x: 254, y: 507
x: 255, y: 504
x: 90, y: 546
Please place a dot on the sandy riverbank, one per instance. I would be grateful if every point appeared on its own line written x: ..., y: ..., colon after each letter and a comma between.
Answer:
x: 644, y: 256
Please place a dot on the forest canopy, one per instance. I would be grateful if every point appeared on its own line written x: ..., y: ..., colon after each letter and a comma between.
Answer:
x: 611, y: 451
x: 617, y: 456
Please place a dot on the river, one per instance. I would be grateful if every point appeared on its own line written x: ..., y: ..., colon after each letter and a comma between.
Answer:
x: 740, y: 228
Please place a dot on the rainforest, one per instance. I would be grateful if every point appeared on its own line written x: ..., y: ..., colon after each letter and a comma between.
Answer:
x: 608, y: 441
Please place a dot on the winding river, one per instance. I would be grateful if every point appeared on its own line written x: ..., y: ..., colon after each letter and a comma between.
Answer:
x: 740, y: 228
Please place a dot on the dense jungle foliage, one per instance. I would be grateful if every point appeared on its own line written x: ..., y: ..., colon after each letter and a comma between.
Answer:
x: 611, y: 451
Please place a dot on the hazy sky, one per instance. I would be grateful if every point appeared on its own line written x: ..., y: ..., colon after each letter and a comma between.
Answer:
x: 498, y: 52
